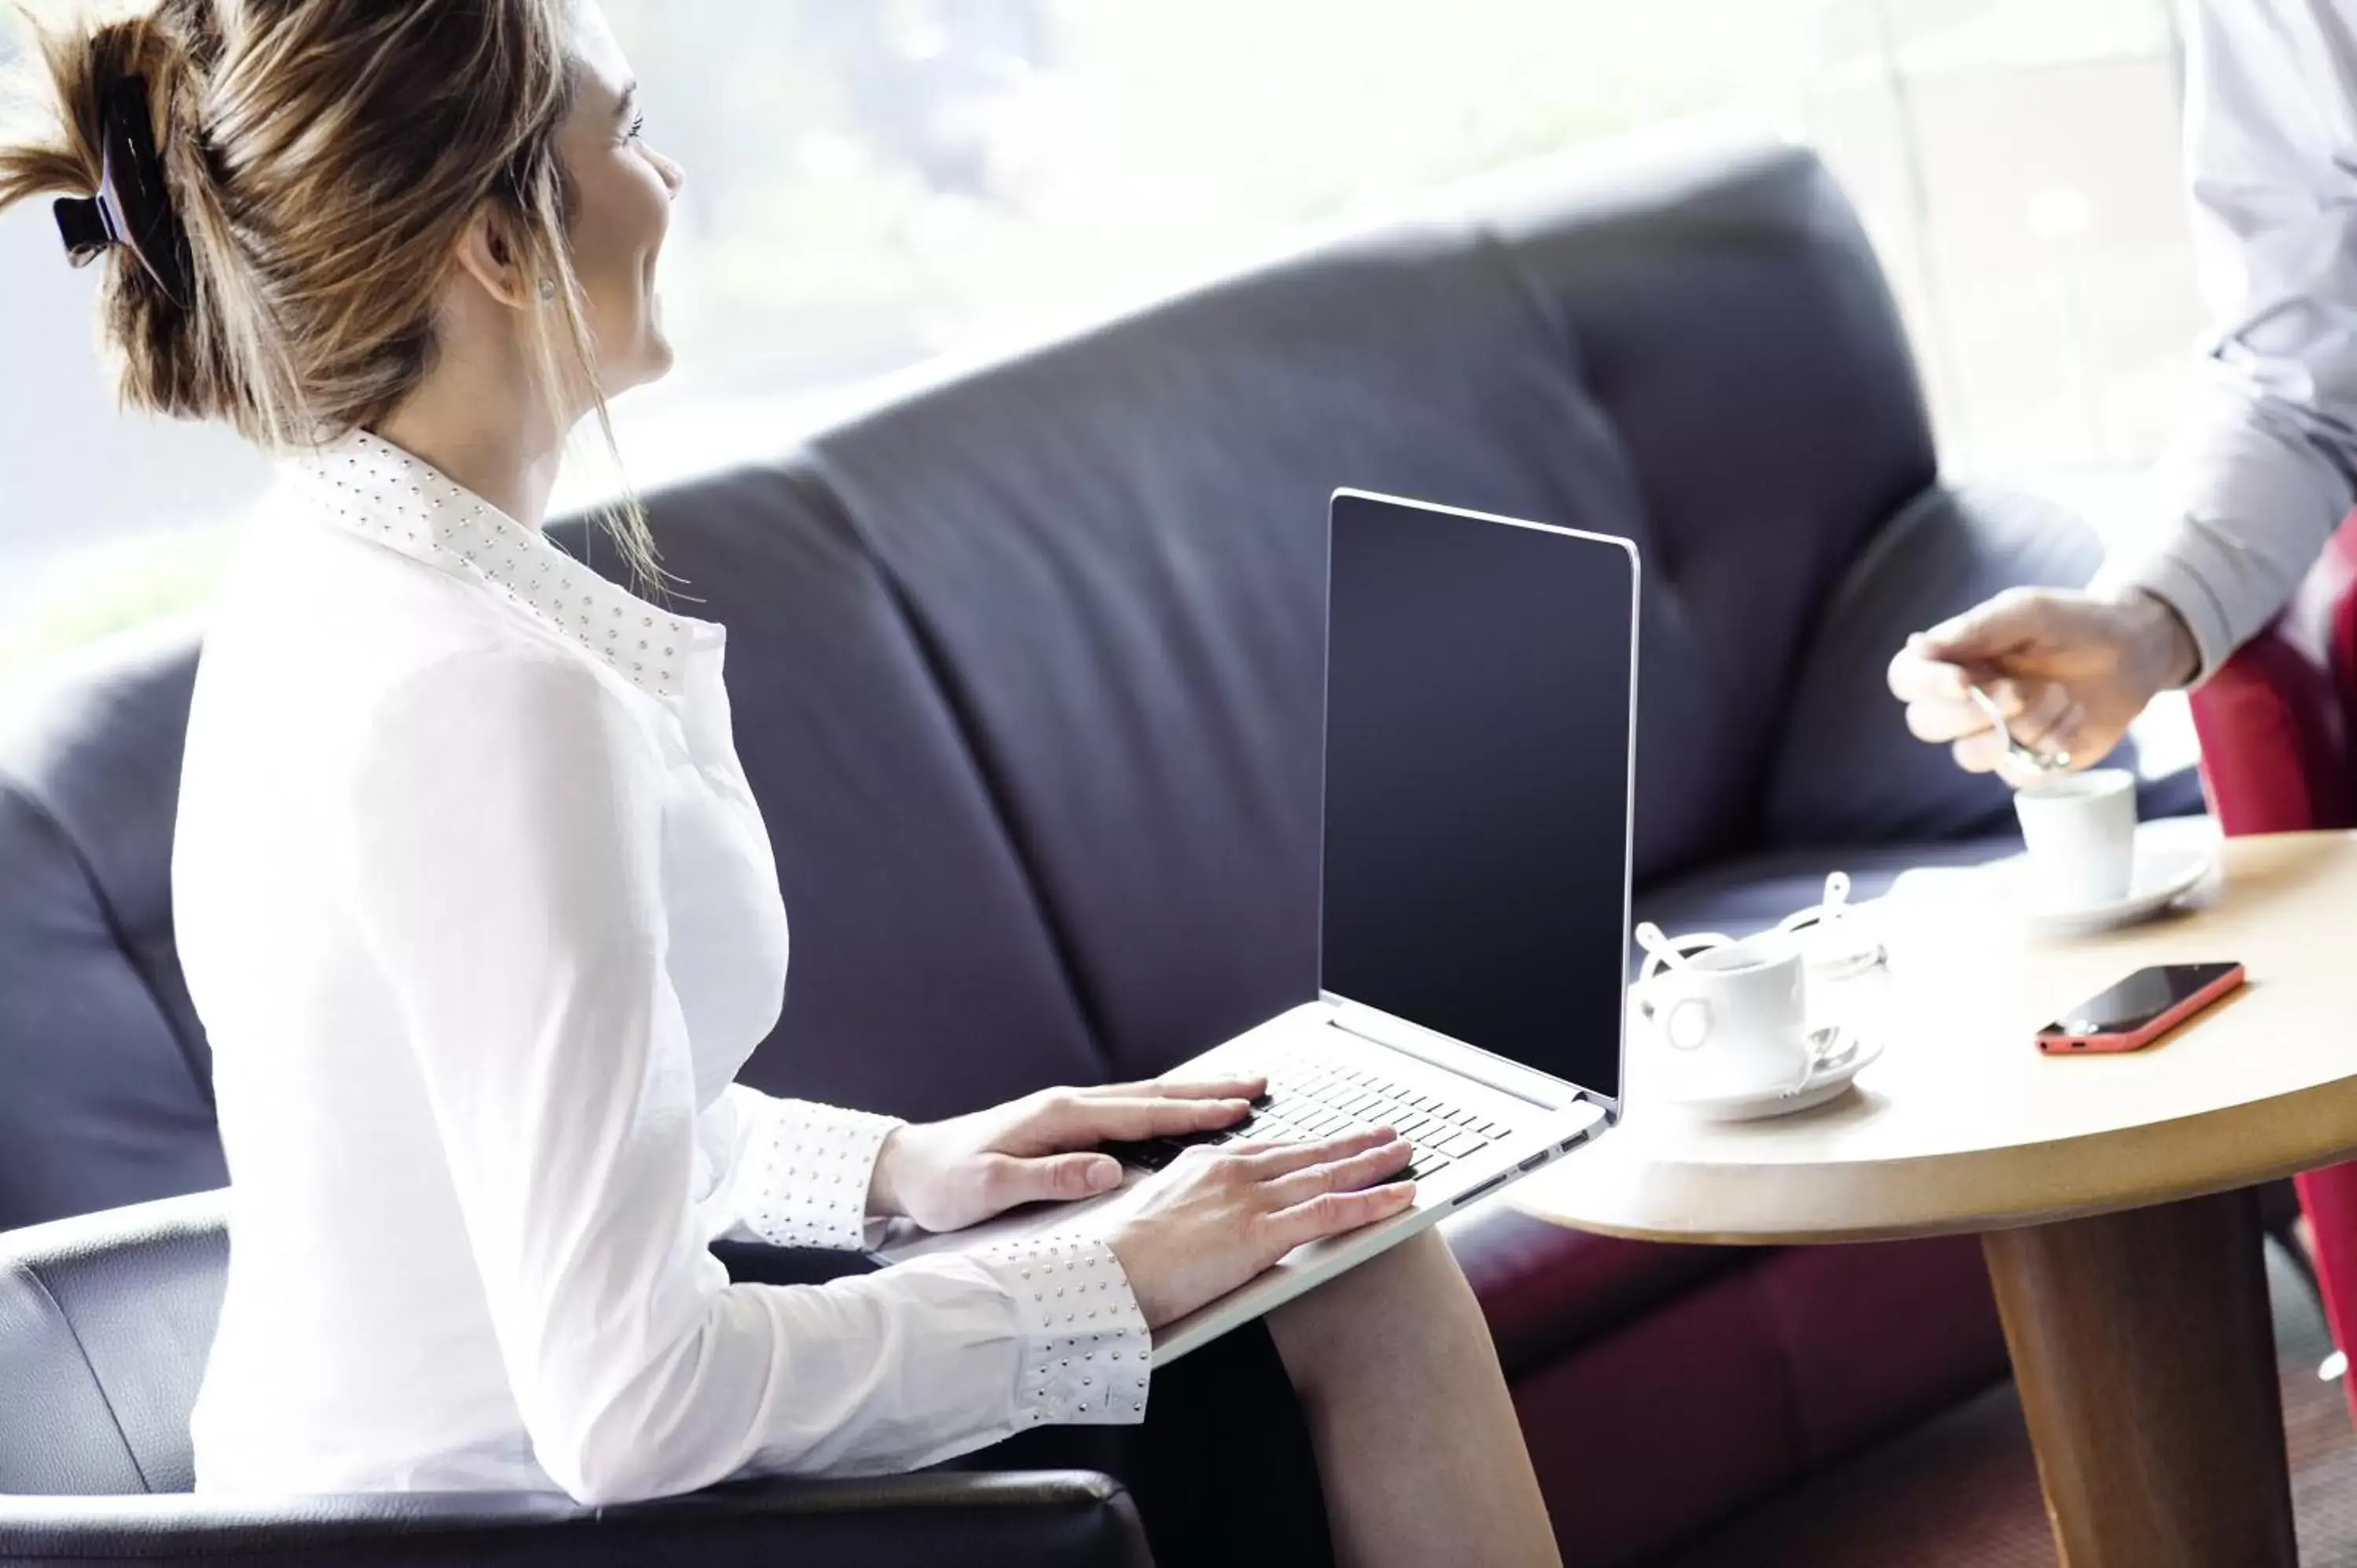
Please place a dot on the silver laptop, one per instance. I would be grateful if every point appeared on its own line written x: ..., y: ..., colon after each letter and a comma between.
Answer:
x: 1480, y: 771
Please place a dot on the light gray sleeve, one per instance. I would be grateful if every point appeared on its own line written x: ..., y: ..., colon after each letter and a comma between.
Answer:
x: 2267, y: 467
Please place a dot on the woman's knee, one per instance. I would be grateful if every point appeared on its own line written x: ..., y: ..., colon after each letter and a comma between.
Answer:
x: 1416, y: 1272
x: 1402, y: 1290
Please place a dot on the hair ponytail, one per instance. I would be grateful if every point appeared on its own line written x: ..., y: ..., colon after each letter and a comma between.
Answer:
x: 320, y: 159
x: 174, y: 356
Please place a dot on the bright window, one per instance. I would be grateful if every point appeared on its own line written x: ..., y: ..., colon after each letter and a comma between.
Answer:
x: 877, y: 182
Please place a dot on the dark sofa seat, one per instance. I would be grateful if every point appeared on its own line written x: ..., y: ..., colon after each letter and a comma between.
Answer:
x: 1025, y: 667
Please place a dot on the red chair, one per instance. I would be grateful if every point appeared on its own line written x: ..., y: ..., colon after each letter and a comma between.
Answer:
x: 2279, y: 728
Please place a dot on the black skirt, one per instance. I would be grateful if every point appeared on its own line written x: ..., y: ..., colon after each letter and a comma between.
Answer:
x: 1222, y: 1470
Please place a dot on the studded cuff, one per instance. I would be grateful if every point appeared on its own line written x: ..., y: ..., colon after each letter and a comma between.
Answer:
x: 807, y: 1173
x: 1087, y: 1354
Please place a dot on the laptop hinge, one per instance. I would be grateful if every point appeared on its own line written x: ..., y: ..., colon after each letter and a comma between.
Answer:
x: 1451, y: 1056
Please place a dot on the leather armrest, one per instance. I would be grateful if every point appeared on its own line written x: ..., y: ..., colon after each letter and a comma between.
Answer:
x: 1045, y: 1518
x: 2275, y: 742
x: 2276, y: 749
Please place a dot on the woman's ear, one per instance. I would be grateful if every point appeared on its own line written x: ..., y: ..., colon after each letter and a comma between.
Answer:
x: 488, y: 254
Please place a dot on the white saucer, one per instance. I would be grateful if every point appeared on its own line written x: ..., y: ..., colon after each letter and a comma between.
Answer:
x: 2162, y: 877
x: 1826, y: 1080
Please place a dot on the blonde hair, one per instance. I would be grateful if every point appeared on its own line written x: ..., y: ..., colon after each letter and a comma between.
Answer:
x: 322, y: 158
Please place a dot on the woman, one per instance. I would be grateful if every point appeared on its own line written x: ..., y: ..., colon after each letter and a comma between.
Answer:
x: 481, y: 917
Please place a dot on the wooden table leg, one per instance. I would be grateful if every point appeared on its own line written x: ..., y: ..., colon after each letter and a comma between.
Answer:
x: 2144, y: 1354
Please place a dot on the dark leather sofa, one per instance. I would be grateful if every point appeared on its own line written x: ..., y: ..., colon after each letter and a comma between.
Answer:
x: 1025, y: 672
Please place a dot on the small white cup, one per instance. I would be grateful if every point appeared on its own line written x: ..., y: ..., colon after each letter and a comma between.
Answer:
x: 1733, y: 1019
x: 2081, y: 830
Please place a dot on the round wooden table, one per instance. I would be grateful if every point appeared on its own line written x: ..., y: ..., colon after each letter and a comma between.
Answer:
x: 2111, y: 1192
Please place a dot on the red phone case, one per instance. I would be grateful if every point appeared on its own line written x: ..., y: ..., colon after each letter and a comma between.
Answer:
x: 2162, y: 1024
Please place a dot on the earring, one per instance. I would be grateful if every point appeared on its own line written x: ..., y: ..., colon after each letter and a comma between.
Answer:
x: 547, y: 290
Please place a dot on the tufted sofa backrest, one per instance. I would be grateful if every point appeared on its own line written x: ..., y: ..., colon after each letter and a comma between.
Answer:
x: 105, y: 1081
x: 1024, y: 666
x: 1115, y: 546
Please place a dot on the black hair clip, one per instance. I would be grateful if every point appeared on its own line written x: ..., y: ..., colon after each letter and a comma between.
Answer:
x: 131, y: 207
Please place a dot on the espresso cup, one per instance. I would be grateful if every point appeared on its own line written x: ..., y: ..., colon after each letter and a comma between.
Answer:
x: 2081, y: 831
x: 1731, y: 1020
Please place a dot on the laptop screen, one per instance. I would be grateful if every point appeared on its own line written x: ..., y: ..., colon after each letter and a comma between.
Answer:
x: 1478, y: 686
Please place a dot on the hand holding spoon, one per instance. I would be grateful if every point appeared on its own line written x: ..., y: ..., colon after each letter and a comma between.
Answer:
x: 2035, y: 760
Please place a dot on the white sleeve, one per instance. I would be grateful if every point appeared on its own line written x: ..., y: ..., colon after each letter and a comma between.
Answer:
x: 508, y: 817
x: 792, y: 1173
x: 2266, y: 467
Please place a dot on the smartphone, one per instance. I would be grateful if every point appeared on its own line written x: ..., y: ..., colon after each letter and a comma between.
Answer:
x: 2139, y: 1009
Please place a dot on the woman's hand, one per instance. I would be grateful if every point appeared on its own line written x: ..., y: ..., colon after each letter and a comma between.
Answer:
x: 946, y: 1175
x: 1218, y: 1216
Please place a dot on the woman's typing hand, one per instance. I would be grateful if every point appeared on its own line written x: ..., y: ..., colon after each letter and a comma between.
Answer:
x: 948, y: 1174
x: 1218, y: 1216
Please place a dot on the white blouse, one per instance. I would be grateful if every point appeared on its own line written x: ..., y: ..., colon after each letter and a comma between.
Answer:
x: 481, y: 918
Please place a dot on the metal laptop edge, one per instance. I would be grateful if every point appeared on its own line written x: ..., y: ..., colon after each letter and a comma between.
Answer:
x: 1575, y: 1114
x: 1455, y: 1055
x: 1563, y: 1132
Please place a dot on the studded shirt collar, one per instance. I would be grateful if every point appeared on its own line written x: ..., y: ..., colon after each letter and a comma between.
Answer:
x: 367, y: 486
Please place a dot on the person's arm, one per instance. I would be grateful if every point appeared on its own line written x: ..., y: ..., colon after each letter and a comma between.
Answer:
x: 507, y: 818
x: 2267, y: 466
x: 762, y: 1152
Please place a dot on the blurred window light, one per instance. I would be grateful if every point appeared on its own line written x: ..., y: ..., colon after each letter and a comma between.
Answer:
x: 875, y: 183
x: 2058, y: 212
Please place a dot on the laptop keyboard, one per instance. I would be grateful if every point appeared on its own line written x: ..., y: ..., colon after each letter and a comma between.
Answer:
x: 1310, y: 1099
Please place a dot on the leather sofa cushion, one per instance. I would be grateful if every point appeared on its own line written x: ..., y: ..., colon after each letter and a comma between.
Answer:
x: 1116, y: 544
x: 925, y: 979
x: 1026, y: 667
x: 1735, y: 1388
x: 1116, y: 547
x: 107, y: 1322
x: 1725, y: 312
x: 105, y: 1085
x: 1546, y: 1287
x: 1846, y: 770
x: 61, y: 1437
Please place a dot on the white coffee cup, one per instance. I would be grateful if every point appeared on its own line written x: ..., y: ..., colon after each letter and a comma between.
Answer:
x: 1732, y: 1019
x: 2081, y: 830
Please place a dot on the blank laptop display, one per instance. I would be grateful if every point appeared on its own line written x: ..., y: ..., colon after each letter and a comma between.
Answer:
x: 1478, y: 737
